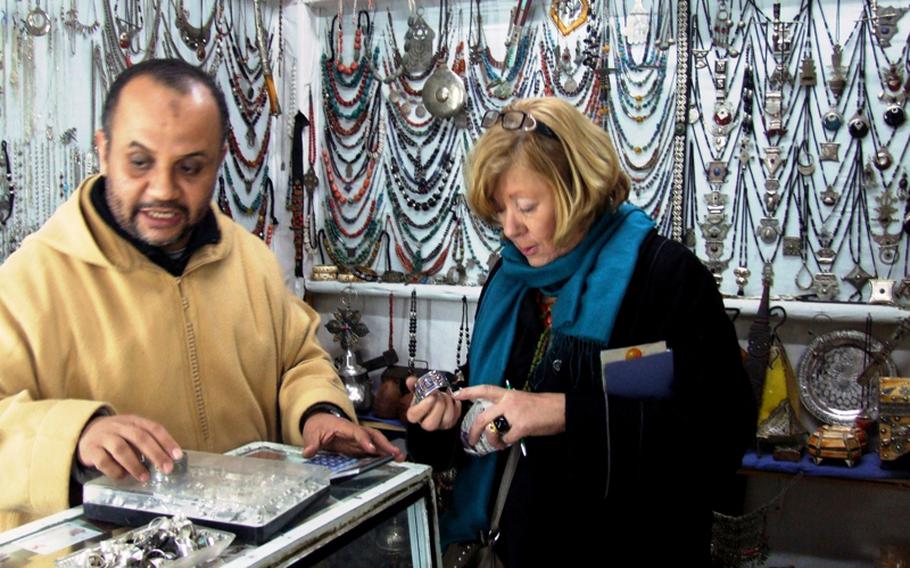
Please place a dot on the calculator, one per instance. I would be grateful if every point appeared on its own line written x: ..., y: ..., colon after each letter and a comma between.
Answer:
x: 343, y: 467
x: 340, y: 466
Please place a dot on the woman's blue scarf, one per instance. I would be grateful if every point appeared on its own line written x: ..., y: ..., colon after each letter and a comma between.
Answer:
x: 589, y: 282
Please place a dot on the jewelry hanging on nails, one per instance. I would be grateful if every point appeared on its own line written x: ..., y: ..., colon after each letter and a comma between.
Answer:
x: 412, y: 332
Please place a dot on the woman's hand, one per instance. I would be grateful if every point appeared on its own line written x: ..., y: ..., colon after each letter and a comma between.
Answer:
x: 439, y: 411
x: 528, y: 414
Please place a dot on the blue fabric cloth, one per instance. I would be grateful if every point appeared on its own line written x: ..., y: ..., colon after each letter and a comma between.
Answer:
x: 869, y: 466
x: 589, y: 283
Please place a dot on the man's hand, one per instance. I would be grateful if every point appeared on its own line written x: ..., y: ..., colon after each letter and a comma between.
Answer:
x: 325, y: 431
x: 113, y: 445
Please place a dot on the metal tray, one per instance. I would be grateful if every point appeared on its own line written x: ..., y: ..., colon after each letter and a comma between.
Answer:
x: 251, y: 498
x: 828, y: 371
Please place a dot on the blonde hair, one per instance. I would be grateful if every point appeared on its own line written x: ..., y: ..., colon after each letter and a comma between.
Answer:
x: 581, y: 167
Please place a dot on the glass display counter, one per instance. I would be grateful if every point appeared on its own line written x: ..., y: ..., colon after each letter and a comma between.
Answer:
x: 385, y: 517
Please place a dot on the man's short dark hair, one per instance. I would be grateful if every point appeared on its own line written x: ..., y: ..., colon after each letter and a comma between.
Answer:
x: 173, y: 73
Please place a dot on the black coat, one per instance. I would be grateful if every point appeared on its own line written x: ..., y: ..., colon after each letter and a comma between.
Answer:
x: 651, y: 484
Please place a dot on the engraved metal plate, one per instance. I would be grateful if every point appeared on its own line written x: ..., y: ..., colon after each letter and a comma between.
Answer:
x: 793, y: 246
x: 827, y: 375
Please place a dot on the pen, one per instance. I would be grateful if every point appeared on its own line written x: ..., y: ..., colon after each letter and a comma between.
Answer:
x: 521, y: 442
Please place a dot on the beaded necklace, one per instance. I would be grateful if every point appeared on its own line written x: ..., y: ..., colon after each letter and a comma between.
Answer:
x: 349, y: 257
x: 343, y: 222
x: 195, y: 38
x: 545, y: 312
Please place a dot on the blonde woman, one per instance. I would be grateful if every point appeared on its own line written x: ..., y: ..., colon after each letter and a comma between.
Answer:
x: 585, y: 280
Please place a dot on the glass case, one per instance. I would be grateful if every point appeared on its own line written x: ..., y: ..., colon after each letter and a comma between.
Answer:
x: 385, y: 517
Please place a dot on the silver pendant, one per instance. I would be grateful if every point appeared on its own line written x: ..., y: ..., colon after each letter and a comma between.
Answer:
x: 418, y: 44
x: 717, y: 268
x: 833, y: 120
x: 882, y: 291
x: 716, y: 201
x: 805, y: 168
x: 829, y: 196
x: 857, y: 278
x: 714, y: 249
x: 774, y: 103
x: 825, y: 286
x: 807, y: 76
x: 826, y: 256
x: 883, y: 159
x: 701, y: 58
x: 885, y: 19
x: 717, y: 172
x: 888, y: 243
x: 838, y: 81
x: 772, y: 200
x: 895, y: 115
x: 723, y: 23
x: 769, y: 229
x: 858, y: 125
x: 885, y: 210
x: 772, y: 159
x: 793, y: 246
x: 37, y: 22
x: 714, y: 229
x: 741, y: 274
x: 829, y: 152
x: 869, y: 180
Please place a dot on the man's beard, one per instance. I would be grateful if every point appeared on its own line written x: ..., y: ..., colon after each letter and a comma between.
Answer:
x: 128, y: 222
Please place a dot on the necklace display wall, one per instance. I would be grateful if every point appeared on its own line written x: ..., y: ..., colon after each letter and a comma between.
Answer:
x: 798, y: 147
x: 721, y: 113
x: 58, y: 58
x: 392, y: 166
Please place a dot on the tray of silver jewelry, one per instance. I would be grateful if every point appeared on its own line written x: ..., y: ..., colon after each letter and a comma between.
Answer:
x: 166, y: 542
x: 251, y: 498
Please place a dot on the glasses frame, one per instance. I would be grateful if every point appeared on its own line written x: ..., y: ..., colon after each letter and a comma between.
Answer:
x: 527, y: 123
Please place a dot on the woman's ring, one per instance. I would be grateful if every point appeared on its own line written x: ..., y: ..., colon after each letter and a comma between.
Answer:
x: 500, y: 425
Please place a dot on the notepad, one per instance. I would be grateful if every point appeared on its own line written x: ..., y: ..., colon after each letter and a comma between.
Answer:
x: 638, y: 371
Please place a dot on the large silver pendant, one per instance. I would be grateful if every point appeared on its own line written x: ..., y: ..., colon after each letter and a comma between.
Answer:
x: 418, y: 44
